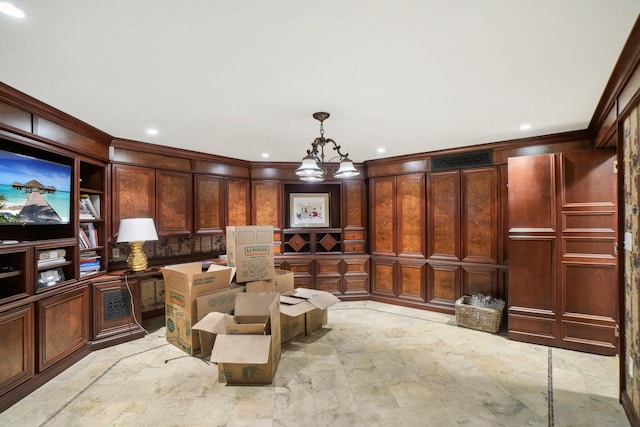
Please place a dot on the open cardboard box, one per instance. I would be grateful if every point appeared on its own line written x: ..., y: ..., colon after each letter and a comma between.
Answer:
x: 247, y: 345
x: 184, y: 283
x: 302, y: 310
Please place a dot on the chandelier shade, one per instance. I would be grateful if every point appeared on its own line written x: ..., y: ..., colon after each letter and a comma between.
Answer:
x: 313, y: 167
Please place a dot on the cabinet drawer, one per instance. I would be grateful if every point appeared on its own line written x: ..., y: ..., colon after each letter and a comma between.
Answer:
x: 353, y: 246
x: 354, y: 235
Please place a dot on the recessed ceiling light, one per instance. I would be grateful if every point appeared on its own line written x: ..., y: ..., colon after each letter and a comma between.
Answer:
x: 265, y: 155
x: 525, y: 126
x: 11, y: 10
x: 152, y: 131
x: 381, y: 150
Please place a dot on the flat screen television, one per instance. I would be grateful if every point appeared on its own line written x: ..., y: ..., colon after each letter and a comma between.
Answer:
x: 34, y: 190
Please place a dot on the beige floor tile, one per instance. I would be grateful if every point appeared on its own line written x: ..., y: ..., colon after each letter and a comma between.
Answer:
x: 372, y: 365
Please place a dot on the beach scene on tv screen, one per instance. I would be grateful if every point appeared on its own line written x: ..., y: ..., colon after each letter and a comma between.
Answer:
x: 33, y: 191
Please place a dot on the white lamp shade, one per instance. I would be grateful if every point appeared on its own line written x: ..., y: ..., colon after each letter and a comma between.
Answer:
x: 136, y: 230
x: 309, y: 167
x: 346, y: 169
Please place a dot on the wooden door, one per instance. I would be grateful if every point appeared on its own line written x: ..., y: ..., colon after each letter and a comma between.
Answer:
x: 562, y: 267
x: 174, y: 208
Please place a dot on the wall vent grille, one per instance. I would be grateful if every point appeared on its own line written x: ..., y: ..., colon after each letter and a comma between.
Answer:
x: 460, y: 161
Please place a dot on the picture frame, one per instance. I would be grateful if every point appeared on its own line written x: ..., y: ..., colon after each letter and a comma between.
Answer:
x: 309, y: 210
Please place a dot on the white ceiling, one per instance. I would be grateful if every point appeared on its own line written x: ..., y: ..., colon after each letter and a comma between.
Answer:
x: 239, y: 78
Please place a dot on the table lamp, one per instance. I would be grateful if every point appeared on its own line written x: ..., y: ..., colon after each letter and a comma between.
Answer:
x: 136, y: 231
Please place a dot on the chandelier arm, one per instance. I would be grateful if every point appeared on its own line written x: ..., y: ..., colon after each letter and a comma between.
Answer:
x: 336, y: 148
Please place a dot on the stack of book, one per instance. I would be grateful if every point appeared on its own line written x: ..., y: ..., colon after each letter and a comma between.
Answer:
x: 89, y: 208
x: 88, y: 236
x: 89, y: 263
x: 51, y: 258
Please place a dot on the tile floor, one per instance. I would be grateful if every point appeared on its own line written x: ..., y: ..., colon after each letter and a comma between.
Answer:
x: 372, y: 365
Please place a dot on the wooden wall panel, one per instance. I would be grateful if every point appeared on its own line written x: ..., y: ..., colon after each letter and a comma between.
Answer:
x: 532, y: 281
x: 237, y: 192
x: 411, y: 215
x: 354, y: 205
x: 174, y: 206
x: 15, y: 117
x: 586, y: 179
x: 383, y: 216
x: 412, y: 280
x: 383, y: 274
x: 478, y: 279
x: 532, y: 193
x: 480, y: 213
x: 443, y: 233
x: 134, y: 194
x: 209, y: 204
x: 267, y: 203
x: 443, y: 283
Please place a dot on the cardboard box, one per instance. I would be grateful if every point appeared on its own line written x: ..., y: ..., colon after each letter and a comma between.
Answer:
x: 250, y: 251
x: 222, y: 301
x: 282, y: 281
x: 249, y: 351
x: 292, y: 327
x: 296, y: 303
x: 212, y: 324
x: 183, y: 284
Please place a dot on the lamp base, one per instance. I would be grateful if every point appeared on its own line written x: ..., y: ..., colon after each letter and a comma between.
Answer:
x: 137, y: 260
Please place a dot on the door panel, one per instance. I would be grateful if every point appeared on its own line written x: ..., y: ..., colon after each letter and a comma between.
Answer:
x: 444, y: 213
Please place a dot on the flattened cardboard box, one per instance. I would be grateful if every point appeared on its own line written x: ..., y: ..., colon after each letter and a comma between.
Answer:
x: 249, y: 351
x: 183, y: 284
x: 250, y: 250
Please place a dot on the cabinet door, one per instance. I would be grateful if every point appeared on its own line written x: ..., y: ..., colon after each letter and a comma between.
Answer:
x: 16, y: 347
x: 383, y: 216
x: 134, y: 194
x: 63, y: 326
x: 411, y: 215
x: 443, y: 196
x: 209, y: 204
x: 329, y: 274
x: 174, y: 209
x: 238, y: 202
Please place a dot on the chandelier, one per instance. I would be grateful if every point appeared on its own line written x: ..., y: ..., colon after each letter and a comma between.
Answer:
x: 313, y: 167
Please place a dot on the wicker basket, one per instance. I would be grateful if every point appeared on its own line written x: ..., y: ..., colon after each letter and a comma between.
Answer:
x: 482, y: 319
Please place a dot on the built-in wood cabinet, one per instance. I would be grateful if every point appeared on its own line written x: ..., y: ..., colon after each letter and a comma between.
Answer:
x: 562, y: 250
x: 347, y: 276
x: 116, y: 316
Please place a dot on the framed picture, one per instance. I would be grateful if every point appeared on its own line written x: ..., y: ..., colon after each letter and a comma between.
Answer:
x: 309, y: 209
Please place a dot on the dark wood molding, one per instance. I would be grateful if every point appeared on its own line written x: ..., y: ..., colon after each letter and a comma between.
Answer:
x: 38, y: 108
x: 627, y: 63
x: 632, y: 414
